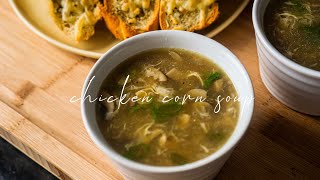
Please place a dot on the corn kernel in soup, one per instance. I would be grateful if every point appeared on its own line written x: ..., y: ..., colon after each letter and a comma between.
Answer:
x: 167, y: 133
x: 293, y: 27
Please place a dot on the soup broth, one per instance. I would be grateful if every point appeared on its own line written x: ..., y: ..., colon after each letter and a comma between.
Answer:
x: 170, y: 133
x: 293, y: 27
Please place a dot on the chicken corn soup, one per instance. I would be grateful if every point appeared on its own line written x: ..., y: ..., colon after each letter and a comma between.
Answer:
x: 293, y: 27
x: 175, y: 109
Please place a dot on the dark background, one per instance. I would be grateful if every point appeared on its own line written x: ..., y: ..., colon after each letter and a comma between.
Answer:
x: 14, y: 165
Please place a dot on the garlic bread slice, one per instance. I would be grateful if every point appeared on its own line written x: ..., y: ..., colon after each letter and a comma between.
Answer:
x: 126, y: 18
x: 77, y: 18
x: 188, y: 15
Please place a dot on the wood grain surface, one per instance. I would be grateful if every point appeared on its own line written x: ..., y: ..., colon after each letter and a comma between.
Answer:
x: 37, y: 80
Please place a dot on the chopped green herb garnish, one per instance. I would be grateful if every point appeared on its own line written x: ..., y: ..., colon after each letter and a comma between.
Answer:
x: 298, y: 7
x: 178, y: 159
x: 313, y: 32
x: 210, y: 79
x: 216, y: 136
x: 137, y: 108
x: 137, y: 152
x: 161, y: 112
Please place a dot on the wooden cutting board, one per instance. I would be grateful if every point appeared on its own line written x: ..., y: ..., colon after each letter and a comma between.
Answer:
x: 37, y: 80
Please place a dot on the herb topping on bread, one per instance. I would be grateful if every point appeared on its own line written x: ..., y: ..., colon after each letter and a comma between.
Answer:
x: 189, y: 15
x: 76, y: 17
x: 126, y: 18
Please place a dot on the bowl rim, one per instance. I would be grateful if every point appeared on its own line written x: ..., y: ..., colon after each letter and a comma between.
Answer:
x: 227, y: 147
x: 257, y: 24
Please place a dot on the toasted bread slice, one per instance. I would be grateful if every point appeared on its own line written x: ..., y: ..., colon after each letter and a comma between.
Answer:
x: 188, y: 15
x: 77, y: 18
x: 126, y: 18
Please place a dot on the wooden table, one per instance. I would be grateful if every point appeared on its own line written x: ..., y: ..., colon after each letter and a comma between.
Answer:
x: 38, y: 79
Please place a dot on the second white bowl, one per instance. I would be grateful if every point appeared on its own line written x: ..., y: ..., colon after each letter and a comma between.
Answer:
x: 294, y: 85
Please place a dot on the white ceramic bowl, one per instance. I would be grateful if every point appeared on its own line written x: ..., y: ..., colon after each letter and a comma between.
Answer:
x: 294, y: 85
x: 202, y: 169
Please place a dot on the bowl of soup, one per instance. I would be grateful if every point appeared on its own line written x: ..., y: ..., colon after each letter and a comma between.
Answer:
x: 167, y: 105
x: 288, y: 43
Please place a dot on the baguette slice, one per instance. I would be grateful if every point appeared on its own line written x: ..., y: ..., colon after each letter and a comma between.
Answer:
x: 188, y: 15
x: 77, y: 18
x: 126, y: 18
